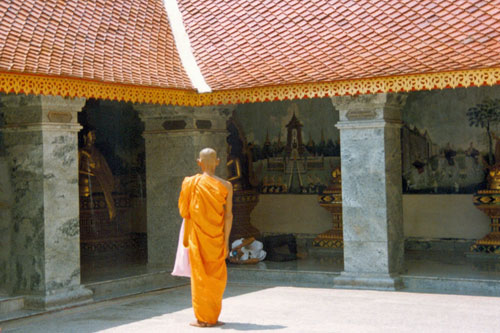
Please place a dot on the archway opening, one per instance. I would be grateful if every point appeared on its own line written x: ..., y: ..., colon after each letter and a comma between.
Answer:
x: 113, y: 233
x: 283, y: 159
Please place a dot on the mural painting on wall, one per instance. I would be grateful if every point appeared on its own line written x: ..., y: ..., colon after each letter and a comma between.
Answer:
x: 294, y: 145
x: 449, y: 139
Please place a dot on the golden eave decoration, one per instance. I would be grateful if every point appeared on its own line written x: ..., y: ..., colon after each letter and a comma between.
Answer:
x: 73, y: 87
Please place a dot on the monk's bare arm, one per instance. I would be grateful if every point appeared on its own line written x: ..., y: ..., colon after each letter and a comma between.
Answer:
x: 228, y: 214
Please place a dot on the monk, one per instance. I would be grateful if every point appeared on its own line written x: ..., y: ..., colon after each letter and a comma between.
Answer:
x: 205, y: 203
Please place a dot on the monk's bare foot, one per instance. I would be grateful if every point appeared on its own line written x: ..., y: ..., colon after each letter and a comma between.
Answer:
x: 198, y: 324
x: 203, y: 324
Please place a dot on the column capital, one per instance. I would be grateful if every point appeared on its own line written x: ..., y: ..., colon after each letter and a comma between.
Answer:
x: 30, y: 113
x: 365, y: 110
x: 183, y: 120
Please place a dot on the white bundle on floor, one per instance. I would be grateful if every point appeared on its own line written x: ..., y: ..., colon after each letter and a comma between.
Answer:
x: 251, y: 251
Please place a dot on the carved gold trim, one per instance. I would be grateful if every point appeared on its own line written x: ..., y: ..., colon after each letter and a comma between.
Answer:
x: 64, y: 86
x: 73, y: 87
x: 455, y: 79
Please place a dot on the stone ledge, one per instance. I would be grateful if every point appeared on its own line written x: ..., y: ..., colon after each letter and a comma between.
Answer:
x: 448, y: 285
x: 368, y: 281
x: 62, y: 299
x: 280, y: 277
x: 438, y: 244
x: 11, y: 304
x: 136, y: 284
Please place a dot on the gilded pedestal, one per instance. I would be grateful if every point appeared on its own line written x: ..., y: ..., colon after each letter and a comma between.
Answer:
x: 244, y: 201
x: 331, y: 200
x: 488, y: 201
x: 332, y: 238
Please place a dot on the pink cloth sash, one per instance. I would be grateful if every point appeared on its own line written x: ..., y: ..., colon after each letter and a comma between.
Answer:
x: 182, y: 266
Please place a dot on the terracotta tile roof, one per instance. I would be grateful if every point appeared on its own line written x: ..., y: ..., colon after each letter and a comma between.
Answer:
x: 126, y: 41
x: 241, y: 43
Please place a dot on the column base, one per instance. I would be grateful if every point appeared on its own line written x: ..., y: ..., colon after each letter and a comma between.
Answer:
x: 372, y: 281
x: 59, y: 300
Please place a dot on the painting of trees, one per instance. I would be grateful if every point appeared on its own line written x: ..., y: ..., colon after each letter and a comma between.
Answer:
x: 484, y: 115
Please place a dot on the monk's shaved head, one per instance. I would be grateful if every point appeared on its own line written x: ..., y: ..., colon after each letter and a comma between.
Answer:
x: 208, y: 155
x: 208, y: 160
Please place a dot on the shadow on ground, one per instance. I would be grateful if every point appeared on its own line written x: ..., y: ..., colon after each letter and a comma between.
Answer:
x: 251, y: 327
x: 120, y: 314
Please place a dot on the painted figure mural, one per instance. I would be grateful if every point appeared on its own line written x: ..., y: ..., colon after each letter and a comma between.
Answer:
x: 282, y: 160
x: 449, y: 144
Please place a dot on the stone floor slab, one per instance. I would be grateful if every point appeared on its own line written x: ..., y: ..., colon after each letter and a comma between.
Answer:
x: 285, y: 309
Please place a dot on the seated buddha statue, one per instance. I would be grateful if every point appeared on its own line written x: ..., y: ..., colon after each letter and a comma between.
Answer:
x: 95, y: 174
x: 235, y: 174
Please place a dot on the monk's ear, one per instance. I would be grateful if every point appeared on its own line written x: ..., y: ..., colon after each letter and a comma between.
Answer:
x: 198, y: 161
x: 217, y: 161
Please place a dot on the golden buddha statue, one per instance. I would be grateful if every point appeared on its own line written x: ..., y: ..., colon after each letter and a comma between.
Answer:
x: 234, y: 173
x: 494, y: 178
x: 336, y: 179
x: 241, y: 175
x: 95, y: 174
x: 488, y: 201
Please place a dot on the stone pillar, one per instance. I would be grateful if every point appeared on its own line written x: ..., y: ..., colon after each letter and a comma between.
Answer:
x: 41, y: 147
x: 174, y: 136
x: 371, y: 190
x: 5, y: 219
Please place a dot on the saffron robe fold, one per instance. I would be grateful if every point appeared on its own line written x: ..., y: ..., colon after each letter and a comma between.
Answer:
x: 201, y: 204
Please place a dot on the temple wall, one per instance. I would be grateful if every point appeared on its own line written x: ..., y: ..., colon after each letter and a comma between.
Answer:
x: 442, y: 152
x: 441, y: 157
x: 424, y: 216
x: 443, y: 216
x: 290, y: 213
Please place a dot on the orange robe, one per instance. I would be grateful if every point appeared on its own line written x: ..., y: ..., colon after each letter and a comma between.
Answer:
x: 201, y: 204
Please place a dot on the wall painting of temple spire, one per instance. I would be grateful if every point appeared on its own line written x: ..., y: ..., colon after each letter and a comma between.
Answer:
x: 294, y: 145
x: 445, y: 149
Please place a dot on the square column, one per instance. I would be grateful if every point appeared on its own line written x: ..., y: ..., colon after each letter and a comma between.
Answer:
x: 371, y: 190
x: 174, y: 136
x: 41, y: 148
x: 5, y: 219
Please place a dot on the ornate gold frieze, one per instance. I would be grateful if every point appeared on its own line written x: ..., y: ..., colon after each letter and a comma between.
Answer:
x: 74, y: 87
x: 402, y: 83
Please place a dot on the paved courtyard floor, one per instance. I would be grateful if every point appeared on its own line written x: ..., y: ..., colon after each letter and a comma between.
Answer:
x: 280, y: 309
